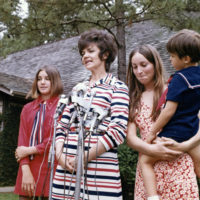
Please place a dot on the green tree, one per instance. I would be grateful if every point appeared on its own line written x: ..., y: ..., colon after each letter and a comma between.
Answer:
x: 186, y: 15
x: 51, y: 20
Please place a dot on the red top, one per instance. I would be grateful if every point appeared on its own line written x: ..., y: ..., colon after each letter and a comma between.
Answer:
x: 39, y: 165
x: 162, y: 99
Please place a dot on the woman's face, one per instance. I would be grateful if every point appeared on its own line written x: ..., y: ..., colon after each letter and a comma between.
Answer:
x: 90, y: 58
x: 143, y: 69
x: 44, y: 84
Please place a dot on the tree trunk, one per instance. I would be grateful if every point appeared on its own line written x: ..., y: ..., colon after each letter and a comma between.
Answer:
x: 121, y: 41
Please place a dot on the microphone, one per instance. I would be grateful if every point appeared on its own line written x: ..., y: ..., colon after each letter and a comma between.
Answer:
x: 93, y: 93
x: 78, y: 93
x: 80, y: 89
x: 103, y: 113
x: 99, y: 114
x: 63, y: 101
x: 94, y: 121
x: 74, y: 115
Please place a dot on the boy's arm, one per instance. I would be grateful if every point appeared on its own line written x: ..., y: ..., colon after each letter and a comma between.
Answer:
x: 164, y: 117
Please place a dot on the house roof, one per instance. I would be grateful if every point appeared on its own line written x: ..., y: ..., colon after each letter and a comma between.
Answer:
x: 64, y: 55
x: 14, y: 85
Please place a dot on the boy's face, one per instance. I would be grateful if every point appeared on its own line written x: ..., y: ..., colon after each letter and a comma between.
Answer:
x: 177, y: 63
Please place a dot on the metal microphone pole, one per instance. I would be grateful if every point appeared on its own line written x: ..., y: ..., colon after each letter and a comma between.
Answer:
x: 52, y: 155
x: 79, y: 161
x: 80, y: 148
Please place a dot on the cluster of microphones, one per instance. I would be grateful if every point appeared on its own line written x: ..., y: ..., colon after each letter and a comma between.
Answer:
x: 83, y: 106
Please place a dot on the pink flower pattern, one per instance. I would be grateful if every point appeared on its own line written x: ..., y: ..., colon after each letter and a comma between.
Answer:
x: 176, y: 180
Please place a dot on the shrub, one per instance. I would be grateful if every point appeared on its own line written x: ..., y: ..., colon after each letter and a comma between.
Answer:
x: 127, y: 162
x: 8, y: 143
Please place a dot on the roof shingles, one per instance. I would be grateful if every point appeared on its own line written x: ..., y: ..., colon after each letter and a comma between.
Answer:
x: 65, y: 56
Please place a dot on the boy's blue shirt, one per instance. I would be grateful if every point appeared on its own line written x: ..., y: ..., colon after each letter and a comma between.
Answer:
x: 184, y: 88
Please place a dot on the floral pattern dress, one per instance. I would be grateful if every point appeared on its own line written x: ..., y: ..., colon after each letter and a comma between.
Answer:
x: 176, y: 180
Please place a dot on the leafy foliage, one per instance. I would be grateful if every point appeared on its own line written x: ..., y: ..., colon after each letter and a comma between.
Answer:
x: 51, y: 20
x: 186, y: 15
x: 8, y: 143
x: 127, y: 162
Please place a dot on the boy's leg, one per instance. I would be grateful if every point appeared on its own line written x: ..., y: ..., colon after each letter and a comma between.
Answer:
x: 148, y: 174
x: 195, y: 154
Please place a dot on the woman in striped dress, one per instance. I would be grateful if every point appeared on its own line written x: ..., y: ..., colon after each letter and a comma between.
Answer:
x: 105, y: 97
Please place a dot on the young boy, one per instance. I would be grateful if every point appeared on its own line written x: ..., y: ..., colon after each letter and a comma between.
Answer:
x: 179, y: 119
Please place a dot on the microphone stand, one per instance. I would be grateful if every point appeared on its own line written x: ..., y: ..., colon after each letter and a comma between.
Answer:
x: 80, y: 145
x: 52, y: 155
x: 98, y: 117
x: 80, y: 150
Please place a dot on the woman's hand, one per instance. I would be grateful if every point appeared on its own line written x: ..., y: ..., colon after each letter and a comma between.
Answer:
x: 183, y: 146
x: 188, y: 144
x: 162, y: 149
x: 28, y: 182
x: 67, y: 163
x: 72, y: 162
x: 21, y: 152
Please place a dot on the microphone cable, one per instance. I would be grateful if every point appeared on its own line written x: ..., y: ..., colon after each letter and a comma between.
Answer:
x: 40, y: 168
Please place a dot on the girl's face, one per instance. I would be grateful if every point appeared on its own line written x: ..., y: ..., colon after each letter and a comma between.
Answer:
x: 142, y: 69
x: 90, y: 58
x: 44, y: 84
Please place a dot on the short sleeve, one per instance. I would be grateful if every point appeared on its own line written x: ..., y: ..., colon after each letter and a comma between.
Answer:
x: 176, y: 88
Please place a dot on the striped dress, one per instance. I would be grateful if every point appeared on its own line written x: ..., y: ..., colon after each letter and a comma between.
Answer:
x: 102, y: 176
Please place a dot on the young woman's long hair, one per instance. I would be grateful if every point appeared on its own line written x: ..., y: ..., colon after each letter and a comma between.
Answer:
x: 136, y: 88
x: 55, y: 79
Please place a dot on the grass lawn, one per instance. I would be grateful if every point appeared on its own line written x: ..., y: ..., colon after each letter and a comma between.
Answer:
x: 8, y: 196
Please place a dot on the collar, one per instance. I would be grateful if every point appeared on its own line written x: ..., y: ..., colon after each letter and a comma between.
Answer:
x: 106, y: 80
x: 49, y: 103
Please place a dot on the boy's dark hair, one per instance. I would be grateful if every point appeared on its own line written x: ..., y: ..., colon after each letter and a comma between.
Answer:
x: 185, y: 43
x: 104, y: 41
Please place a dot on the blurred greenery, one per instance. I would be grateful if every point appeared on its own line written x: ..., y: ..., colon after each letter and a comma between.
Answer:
x: 127, y: 162
x: 8, y: 143
x: 8, y: 196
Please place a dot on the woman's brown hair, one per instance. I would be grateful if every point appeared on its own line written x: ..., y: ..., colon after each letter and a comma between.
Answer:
x: 104, y: 41
x: 55, y: 79
x: 136, y: 88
